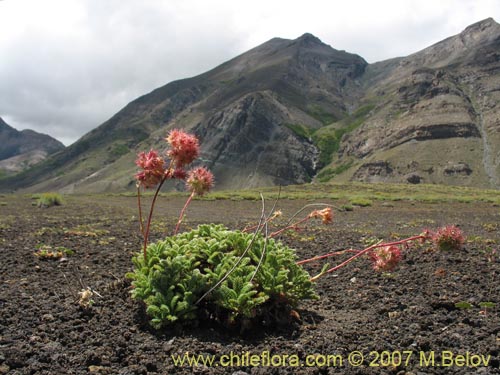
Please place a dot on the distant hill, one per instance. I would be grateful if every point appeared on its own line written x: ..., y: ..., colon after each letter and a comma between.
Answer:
x: 292, y: 111
x: 20, y: 150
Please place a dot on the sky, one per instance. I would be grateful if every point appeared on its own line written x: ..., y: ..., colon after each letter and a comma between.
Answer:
x: 66, y: 66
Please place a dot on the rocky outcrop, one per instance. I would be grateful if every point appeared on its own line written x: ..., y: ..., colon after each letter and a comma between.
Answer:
x: 377, y: 171
x: 248, y: 142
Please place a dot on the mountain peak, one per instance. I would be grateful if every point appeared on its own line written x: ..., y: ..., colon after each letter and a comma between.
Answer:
x: 6, y: 129
x: 309, y: 39
x: 485, y: 30
x: 481, y: 26
x: 3, y: 124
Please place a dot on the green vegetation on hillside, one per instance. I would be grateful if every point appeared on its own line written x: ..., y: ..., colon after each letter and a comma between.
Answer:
x: 326, y: 174
x: 327, y: 139
x: 320, y: 114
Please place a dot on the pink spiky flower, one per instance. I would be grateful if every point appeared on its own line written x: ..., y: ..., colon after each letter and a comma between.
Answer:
x: 184, y: 147
x: 179, y: 174
x: 199, y: 180
x: 385, y: 258
x: 153, y: 169
x: 448, y: 238
x: 325, y: 215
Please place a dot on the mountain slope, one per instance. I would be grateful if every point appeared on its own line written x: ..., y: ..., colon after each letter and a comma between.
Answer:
x: 435, y: 115
x: 22, y: 149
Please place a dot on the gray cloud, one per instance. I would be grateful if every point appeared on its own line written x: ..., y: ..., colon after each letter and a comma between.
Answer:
x: 68, y: 65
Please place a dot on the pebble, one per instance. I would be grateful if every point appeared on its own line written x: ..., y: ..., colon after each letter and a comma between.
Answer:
x: 415, y: 327
x: 48, y: 317
x: 393, y: 314
x: 99, y: 369
x: 4, y: 369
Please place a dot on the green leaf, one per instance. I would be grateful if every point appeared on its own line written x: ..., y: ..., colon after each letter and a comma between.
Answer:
x: 463, y: 305
x: 487, y: 305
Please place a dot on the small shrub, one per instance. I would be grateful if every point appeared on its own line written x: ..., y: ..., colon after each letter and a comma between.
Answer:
x: 49, y: 252
x: 265, y: 283
x: 362, y: 202
x: 46, y: 200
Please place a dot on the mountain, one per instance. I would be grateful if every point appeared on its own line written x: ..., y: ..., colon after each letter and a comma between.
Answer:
x: 244, y: 111
x: 290, y: 111
x: 434, y: 115
x: 22, y: 149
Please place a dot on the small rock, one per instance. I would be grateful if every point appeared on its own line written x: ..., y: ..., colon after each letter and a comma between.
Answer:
x: 99, y: 369
x: 353, y: 280
x: 393, y: 314
x: 415, y: 327
x: 4, y: 369
x: 413, y: 178
x: 48, y: 317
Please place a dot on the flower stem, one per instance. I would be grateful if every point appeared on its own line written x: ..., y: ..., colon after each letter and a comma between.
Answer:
x: 148, y: 225
x: 181, y: 216
x: 278, y: 232
x: 364, y: 251
x: 319, y: 257
x: 141, y: 224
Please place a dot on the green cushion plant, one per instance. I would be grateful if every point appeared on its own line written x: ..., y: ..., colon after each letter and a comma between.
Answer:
x: 179, y: 274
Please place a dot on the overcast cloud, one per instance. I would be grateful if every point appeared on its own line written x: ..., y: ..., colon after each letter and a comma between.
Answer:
x: 66, y: 66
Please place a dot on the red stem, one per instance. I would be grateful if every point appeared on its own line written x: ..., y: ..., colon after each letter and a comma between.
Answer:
x: 319, y: 257
x: 274, y: 234
x: 146, y: 234
x: 253, y: 228
x: 362, y: 252
x: 141, y: 224
x: 181, y: 216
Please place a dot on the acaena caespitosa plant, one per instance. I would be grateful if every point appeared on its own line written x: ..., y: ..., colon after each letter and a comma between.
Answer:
x: 235, y: 276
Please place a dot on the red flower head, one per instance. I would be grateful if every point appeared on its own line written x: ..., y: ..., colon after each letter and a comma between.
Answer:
x: 448, y: 238
x: 325, y: 215
x: 385, y: 258
x: 152, y: 169
x: 184, y: 147
x: 179, y: 174
x: 200, y: 180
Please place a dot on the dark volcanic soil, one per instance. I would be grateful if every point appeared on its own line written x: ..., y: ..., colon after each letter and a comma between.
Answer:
x: 43, y: 330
